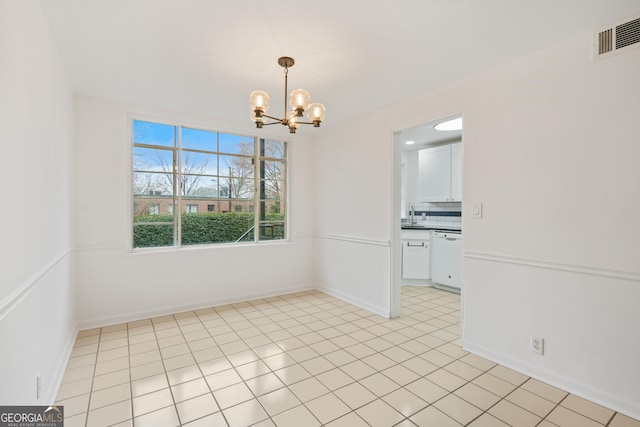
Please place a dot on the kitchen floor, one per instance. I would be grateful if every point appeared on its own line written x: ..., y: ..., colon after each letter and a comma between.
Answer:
x: 306, y: 359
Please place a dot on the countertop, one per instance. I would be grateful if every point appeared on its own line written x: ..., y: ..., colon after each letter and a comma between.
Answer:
x: 430, y: 227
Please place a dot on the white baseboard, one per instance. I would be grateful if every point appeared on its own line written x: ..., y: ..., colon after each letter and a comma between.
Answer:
x: 381, y: 311
x: 631, y: 409
x: 100, y: 322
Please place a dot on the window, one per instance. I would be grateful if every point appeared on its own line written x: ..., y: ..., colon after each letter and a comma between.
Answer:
x: 224, y: 187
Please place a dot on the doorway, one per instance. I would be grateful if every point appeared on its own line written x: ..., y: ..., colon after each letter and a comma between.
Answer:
x: 434, y: 209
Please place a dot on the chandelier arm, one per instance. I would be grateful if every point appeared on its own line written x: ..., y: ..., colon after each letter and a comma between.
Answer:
x: 286, y: 85
x: 272, y: 123
x: 272, y: 118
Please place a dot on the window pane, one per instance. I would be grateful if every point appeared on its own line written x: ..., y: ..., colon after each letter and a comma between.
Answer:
x: 197, y: 139
x: 154, y: 134
x: 275, y: 149
x: 152, y: 184
x: 236, y: 144
x: 272, y: 189
x: 236, y: 166
x: 152, y: 159
x: 153, y: 221
x: 199, y: 163
x: 225, y: 225
x: 199, y: 186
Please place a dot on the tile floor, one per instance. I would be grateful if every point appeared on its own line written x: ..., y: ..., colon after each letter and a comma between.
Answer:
x: 304, y: 360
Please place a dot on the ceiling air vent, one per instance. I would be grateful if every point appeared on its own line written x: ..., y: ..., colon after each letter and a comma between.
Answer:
x: 617, y: 38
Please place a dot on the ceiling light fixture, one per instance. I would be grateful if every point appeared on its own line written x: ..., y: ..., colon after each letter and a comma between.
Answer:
x: 455, y: 124
x: 299, y: 101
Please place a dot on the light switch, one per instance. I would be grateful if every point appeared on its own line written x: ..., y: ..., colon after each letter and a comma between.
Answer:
x: 476, y: 211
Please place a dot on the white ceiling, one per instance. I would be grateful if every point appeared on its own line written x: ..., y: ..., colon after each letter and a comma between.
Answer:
x: 206, y: 56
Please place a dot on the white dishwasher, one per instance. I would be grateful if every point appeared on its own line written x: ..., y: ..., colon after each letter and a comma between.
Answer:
x: 446, y: 259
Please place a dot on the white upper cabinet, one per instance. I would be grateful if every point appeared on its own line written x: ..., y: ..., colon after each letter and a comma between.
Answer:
x: 440, y: 172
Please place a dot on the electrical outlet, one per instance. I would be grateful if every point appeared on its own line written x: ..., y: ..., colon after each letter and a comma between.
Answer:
x: 38, y: 386
x: 537, y: 345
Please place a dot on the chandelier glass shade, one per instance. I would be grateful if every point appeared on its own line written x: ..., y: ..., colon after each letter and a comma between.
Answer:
x: 299, y: 103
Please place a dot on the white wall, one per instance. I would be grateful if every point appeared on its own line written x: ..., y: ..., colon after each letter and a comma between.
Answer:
x: 551, y: 144
x: 353, y: 220
x: 115, y: 285
x: 37, y: 323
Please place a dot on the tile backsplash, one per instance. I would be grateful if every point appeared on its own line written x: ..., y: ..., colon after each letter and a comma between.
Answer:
x: 439, y: 213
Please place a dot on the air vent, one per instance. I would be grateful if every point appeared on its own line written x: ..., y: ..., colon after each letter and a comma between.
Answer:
x: 617, y: 38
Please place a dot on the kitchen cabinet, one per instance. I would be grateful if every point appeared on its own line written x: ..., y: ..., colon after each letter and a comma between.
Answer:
x: 416, y: 254
x: 440, y: 173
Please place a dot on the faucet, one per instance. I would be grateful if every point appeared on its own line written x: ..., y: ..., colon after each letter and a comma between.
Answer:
x: 412, y: 214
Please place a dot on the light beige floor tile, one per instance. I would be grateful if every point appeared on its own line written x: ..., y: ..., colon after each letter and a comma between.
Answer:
x: 147, y: 370
x: 109, y: 396
x: 213, y: 420
x: 339, y: 357
x: 355, y: 395
x: 531, y: 402
x: 296, y: 417
x: 252, y: 370
x: 308, y: 389
x: 144, y: 358
x: 477, y: 362
x: 264, y: 384
x: 75, y: 405
x: 563, y: 417
x: 278, y: 361
x: 317, y: 365
x: 171, y: 341
x: 77, y: 374
x: 463, y: 370
x: 477, y: 396
x: 379, y: 414
x: 116, y: 353
x: 174, y: 350
x: 165, y: 417
x: 74, y: 389
x: 508, y: 375
x: 151, y: 402
x: 546, y: 391
x: 80, y: 361
x: 437, y: 358
x: 514, y: 415
x: 400, y: 374
x: 149, y: 384
x: 110, y: 415
x: 88, y: 332
x: 214, y: 366
x: 232, y: 395
x: 327, y: 408
x: 292, y: 374
x: 620, y: 420
x: 197, y: 407
x: 357, y: 370
x: 223, y: 379
x: 207, y: 354
x: 334, y: 379
x: 430, y: 416
x: 190, y: 389
x: 182, y: 375
x: 86, y: 340
x: 420, y: 366
x: 279, y: 401
x: 494, y: 384
x: 427, y: 390
x: 379, y: 384
x: 178, y: 362
x: 446, y: 379
x: 588, y: 409
x: 457, y: 408
x: 143, y: 347
x: 112, y: 366
x: 488, y: 420
x: 113, y: 343
x: 142, y: 337
x: 84, y: 350
x: 405, y: 402
x: 111, y: 379
x: 79, y: 420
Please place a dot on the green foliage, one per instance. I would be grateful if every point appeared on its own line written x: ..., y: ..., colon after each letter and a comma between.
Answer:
x: 203, y: 228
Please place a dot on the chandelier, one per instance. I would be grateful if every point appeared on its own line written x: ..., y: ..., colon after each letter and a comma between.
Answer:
x: 299, y: 101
